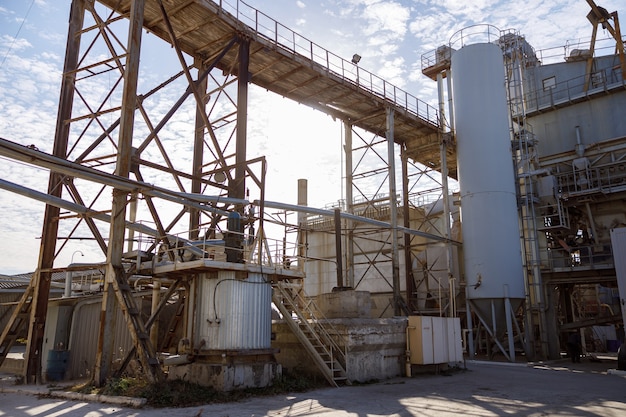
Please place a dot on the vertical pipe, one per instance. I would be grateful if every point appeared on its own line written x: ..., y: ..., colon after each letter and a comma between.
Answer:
x: 408, y: 261
x: 509, y: 324
x: 132, y: 216
x: 450, y: 103
x: 302, y: 201
x: 470, y: 326
x: 198, y: 151
x: 338, y: 251
x: 349, y: 204
x: 39, y: 306
x: 446, y: 195
x: 156, y: 299
x: 393, y: 212
x: 239, y: 189
x: 118, y: 212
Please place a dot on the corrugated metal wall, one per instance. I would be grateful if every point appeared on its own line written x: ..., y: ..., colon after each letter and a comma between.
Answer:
x: 84, y: 339
x: 234, y: 313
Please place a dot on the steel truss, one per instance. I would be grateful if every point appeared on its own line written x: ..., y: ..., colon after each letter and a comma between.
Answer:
x: 133, y: 128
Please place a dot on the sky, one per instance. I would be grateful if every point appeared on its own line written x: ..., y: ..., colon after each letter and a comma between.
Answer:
x: 298, y: 142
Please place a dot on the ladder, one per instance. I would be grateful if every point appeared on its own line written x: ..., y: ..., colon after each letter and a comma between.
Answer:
x: 314, y: 335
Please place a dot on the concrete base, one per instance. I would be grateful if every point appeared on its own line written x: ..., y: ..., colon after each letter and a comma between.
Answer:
x: 345, y: 304
x: 227, y: 377
x: 375, y: 348
x: 13, y: 364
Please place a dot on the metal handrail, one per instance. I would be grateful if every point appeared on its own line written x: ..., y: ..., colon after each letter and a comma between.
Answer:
x: 294, y: 43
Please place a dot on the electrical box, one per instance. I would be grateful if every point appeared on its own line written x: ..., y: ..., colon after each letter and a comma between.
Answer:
x: 434, y: 340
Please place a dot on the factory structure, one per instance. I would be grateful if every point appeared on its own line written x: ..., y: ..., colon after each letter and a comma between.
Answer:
x: 490, y: 226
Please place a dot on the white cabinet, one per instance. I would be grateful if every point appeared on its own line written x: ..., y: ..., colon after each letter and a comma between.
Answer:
x: 434, y: 340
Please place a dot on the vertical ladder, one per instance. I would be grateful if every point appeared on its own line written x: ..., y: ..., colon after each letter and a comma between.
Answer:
x: 19, y: 318
x: 141, y: 337
x: 314, y: 335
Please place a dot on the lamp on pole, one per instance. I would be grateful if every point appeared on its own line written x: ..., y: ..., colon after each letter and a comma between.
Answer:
x: 75, y: 252
x: 68, y: 276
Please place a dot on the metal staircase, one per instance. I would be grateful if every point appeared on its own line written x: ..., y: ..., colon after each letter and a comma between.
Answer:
x: 318, y: 337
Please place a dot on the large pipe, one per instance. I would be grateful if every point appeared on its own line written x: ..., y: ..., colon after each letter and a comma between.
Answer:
x: 359, y: 219
x: 36, y: 158
x: 338, y: 251
x: 82, y: 210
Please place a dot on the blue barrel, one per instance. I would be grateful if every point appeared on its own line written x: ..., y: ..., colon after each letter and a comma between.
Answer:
x: 57, y: 364
x: 613, y: 345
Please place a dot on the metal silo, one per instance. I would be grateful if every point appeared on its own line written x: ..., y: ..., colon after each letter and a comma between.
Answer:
x: 491, y: 233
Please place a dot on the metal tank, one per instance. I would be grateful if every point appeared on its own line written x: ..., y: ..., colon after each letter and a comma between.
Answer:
x: 491, y: 233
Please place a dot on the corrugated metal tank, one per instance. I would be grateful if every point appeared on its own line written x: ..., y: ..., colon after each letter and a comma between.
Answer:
x: 491, y: 234
x: 234, y: 313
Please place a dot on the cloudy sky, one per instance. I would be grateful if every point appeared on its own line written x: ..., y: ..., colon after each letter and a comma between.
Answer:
x: 390, y: 36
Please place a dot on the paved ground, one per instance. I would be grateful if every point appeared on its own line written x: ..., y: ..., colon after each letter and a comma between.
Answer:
x: 483, y: 389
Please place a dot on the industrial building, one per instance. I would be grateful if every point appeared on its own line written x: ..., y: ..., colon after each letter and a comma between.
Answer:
x: 490, y: 226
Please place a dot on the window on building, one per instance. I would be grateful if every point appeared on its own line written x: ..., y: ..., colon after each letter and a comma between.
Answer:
x: 549, y: 83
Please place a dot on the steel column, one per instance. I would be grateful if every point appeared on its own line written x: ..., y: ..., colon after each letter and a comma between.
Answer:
x: 393, y: 211
x: 406, y: 222
x: 47, y: 250
x: 118, y: 212
x: 347, y: 128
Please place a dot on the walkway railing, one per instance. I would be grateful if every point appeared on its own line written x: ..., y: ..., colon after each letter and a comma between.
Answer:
x: 348, y: 71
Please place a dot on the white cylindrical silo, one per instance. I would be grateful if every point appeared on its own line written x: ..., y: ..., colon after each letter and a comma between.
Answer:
x: 491, y: 233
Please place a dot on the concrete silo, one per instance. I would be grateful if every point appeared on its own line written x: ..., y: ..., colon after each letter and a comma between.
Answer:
x: 491, y: 233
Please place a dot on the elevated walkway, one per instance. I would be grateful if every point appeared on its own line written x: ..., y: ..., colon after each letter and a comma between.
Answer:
x: 288, y: 64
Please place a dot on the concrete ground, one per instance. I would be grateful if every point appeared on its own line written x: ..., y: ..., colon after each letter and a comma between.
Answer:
x: 591, y: 388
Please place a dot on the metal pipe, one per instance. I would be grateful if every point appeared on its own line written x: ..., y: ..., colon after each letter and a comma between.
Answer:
x: 237, y: 188
x: 63, y: 166
x: 509, y: 324
x: 338, y: 251
x: 344, y: 215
